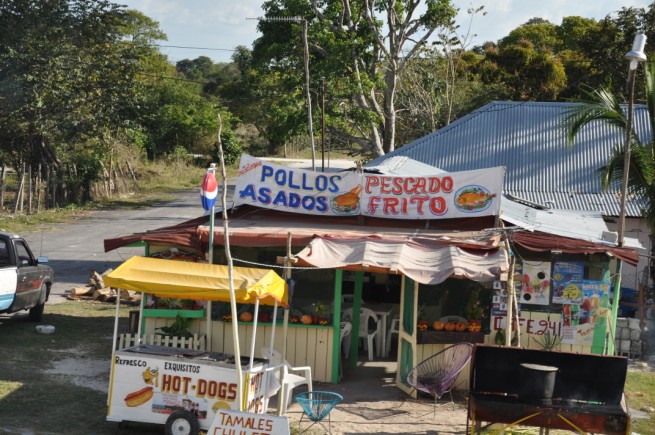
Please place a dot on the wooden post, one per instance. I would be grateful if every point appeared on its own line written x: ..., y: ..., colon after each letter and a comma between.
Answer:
x: 2, y: 188
x: 29, y: 190
x: 38, y: 189
x: 19, y: 191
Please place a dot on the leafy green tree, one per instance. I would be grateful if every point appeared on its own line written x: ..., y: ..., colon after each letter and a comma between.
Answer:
x: 601, y: 46
x: 180, y: 117
x: 526, y: 61
x: 66, y: 75
x: 359, y: 47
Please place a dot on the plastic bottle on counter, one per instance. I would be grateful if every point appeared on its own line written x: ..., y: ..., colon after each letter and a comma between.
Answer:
x: 566, y: 315
x: 594, y: 302
x: 604, y: 305
x: 575, y: 314
x: 585, y: 308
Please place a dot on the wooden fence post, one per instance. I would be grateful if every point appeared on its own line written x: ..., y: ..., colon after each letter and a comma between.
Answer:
x: 2, y: 188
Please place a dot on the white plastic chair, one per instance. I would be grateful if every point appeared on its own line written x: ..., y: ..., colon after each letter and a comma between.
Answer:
x: 346, y: 328
x: 347, y: 317
x: 393, y: 329
x: 289, y: 380
x: 344, y: 343
x: 367, y: 331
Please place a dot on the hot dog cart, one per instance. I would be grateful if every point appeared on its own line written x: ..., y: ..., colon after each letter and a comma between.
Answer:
x: 173, y: 386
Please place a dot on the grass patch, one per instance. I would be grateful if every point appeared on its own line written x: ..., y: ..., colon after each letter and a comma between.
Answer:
x: 156, y: 183
x: 44, y: 378
x: 640, y: 391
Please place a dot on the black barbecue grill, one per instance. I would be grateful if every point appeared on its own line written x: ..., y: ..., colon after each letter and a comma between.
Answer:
x: 548, y: 389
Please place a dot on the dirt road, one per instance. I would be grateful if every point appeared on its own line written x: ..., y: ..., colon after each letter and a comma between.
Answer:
x: 76, y: 248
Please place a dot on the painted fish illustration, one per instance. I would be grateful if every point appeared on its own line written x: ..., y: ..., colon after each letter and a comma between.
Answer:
x: 474, y: 199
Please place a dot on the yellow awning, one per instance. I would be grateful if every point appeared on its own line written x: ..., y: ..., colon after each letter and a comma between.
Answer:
x: 198, y: 281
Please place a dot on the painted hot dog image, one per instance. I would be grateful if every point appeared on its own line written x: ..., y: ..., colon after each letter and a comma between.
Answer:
x: 138, y: 398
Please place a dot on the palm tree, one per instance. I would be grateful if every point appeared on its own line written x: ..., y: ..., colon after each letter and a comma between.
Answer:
x: 604, y: 106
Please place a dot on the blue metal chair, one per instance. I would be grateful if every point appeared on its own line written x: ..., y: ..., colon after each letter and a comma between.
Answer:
x: 317, y: 405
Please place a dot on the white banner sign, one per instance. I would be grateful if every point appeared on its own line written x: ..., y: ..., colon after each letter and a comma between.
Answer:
x: 446, y: 195
x: 268, y: 185
x: 229, y: 422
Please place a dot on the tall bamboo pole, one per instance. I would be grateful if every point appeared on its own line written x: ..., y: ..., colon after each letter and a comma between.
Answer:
x: 230, y: 273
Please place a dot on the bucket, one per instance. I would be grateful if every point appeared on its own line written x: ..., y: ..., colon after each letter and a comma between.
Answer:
x: 537, y: 383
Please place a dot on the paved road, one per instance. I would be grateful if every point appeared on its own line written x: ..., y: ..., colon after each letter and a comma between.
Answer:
x: 75, y: 249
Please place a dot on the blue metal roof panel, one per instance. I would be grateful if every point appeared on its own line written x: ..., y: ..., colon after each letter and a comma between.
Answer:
x: 529, y: 139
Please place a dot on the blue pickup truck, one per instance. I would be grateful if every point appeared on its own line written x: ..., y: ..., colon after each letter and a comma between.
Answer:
x: 25, y: 281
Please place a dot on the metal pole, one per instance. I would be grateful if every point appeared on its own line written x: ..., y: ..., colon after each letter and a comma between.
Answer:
x: 308, y: 96
x: 626, y: 151
x: 323, y: 125
x: 310, y: 123
x: 635, y: 56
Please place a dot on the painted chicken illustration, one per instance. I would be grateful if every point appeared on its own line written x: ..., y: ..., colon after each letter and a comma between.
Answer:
x: 349, y: 199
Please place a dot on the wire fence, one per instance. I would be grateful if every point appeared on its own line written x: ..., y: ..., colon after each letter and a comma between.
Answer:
x: 33, y: 189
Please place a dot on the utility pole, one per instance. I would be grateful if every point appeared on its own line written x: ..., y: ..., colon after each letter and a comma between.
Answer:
x: 308, y: 96
x: 323, y: 124
x: 635, y: 56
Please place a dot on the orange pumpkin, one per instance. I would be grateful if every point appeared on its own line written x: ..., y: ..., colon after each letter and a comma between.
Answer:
x: 422, y: 325
x: 450, y: 326
x: 307, y: 319
x: 460, y: 326
x: 438, y: 325
x: 246, y: 316
x: 294, y: 319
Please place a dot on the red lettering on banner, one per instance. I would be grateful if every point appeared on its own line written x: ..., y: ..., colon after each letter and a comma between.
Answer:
x: 371, y: 182
x: 390, y: 205
x: 419, y: 201
x: 385, y: 186
x: 438, y: 205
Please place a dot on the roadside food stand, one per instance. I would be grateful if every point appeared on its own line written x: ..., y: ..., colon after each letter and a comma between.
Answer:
x: 433, y: 245
x: 163, y: 385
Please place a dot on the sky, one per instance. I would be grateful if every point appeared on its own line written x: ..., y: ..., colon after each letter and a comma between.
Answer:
x: 215, y: 27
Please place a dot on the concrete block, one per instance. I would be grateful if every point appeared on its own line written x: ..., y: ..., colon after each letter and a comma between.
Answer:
x: 621, y: 322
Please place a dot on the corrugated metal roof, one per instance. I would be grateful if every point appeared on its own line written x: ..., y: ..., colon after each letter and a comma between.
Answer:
x: 581, y: 225
x: 403, y: 166
x: 529, y: 139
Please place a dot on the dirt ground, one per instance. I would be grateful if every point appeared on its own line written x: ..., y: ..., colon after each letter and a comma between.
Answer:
x: 373, y: 405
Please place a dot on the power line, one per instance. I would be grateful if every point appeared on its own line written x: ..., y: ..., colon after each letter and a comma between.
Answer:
x: 192, y: 48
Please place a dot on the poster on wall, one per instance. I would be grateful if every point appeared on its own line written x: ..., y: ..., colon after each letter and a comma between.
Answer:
x: 565, y: 273
x: 499, y: 299
x: 585, y: 311
x: 535, y: 283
